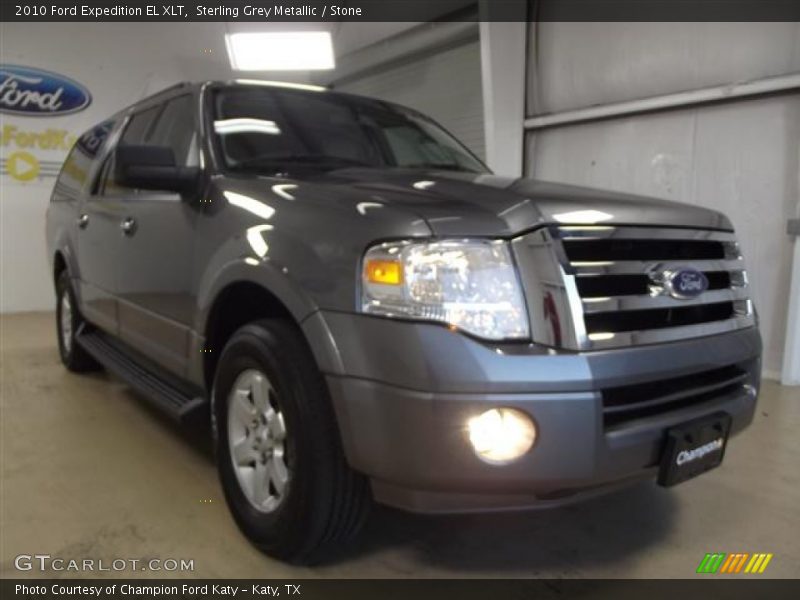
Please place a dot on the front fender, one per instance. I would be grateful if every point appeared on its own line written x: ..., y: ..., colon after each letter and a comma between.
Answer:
x: 273, y: 279
x: 303, y: 247
x: 247, y: 269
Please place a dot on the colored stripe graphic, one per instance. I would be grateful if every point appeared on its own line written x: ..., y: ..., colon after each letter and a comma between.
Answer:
x: 720, y: 562
x: 742, y: 561
x: 734, y: 563
x: 765, y: 563
x: 754, y: 563
x: 732, y: 558
x: 758, y: 563
x: 711, y: 563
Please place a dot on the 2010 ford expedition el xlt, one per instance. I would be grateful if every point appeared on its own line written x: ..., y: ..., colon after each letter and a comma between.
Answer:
x: 365, y: 311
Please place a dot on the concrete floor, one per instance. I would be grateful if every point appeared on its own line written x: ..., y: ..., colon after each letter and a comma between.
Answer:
x: 89, y: 470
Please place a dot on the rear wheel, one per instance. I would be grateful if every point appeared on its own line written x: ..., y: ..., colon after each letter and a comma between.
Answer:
x: 279, y: 455
x: 68, y: 320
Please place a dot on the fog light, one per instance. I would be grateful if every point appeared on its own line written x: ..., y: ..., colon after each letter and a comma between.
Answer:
x: 501, y: 435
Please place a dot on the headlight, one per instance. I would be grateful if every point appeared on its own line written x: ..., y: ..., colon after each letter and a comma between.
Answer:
x: 469, y: 284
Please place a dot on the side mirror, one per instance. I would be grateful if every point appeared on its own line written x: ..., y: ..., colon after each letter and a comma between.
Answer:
x: 152, y: 168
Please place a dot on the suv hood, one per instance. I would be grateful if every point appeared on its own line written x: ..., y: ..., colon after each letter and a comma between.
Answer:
x: 466, y: 204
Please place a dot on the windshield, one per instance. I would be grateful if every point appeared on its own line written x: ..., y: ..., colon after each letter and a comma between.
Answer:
x: 268, y: 130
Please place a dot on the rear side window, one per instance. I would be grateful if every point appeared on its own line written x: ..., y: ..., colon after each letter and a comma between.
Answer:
x: 74, y: 173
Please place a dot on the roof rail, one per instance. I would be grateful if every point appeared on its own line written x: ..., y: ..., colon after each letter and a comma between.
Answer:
x: 176, y: 86
x: 282, y: 84
x: 180, y: 84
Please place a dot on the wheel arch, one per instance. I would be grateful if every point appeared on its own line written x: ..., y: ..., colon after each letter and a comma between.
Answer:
x: 243, y: 294
x: 59, y: 265
x: 63, y: 259
x: 235, y: 305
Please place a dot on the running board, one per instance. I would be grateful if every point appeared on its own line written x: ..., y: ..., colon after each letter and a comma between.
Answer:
x: 174, y: 402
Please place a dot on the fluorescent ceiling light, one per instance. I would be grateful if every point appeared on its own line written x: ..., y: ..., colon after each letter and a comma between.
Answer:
x: 243, y: 125
x: 284, y: 84
x: 583, y: 216
x: 423, y: 185
x: 601, y: 337
x: 256, y: 239
x: 362, y: 208
x: 284, y: 51
x: 283, y: 190
x: 252, y: 205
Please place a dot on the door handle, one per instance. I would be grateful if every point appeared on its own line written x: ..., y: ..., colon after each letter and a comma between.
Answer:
x: 82, y: 221
x: 128, y: 226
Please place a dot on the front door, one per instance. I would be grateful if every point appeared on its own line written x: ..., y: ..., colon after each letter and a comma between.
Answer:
x: 156, y: 236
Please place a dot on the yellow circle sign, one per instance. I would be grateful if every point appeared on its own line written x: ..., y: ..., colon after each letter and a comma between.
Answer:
x: 22, y: 166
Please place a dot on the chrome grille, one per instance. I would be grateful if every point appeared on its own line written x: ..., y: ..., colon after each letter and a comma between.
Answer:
x: 596, y: 286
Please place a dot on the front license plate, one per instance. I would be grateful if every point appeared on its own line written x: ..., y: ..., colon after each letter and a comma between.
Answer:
x: 694, y: 448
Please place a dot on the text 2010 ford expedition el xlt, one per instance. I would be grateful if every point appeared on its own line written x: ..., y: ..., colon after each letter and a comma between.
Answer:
x: 367, y: 312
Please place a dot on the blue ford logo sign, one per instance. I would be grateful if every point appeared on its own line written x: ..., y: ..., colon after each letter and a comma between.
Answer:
x: 34, y: 92
x: 685, y: 283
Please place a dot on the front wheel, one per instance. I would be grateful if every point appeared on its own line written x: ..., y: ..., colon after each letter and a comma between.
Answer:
x: 279, y: 455
x: 68, y: 320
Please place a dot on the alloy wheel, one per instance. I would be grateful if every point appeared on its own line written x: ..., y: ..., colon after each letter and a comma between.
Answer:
x: 257, y: 439
x: 65, y: 320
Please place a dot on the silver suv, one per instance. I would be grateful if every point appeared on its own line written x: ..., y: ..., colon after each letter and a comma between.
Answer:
x: 364, y: 311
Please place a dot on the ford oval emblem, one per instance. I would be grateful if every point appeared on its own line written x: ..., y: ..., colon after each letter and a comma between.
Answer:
x: 685, y: 283
x: 33, y: 92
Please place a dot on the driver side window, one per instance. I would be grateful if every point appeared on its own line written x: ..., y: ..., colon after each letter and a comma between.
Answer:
x: 171, y: 125
x: 175, y: 129
x: 136, y: 132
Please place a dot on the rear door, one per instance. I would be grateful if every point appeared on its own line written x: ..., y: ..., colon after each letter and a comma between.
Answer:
x: 97, y: 232
x: 154, y: 279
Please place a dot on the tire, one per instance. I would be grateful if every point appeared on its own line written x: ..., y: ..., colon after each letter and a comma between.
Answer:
x: 73, y: 356
x: 267, y: 377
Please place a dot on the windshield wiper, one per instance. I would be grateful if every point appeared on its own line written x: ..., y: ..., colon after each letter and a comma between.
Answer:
x: 440, y: 167
x: 268, y: 160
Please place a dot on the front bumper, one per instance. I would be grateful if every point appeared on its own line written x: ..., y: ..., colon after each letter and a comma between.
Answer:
x: 403, y: 392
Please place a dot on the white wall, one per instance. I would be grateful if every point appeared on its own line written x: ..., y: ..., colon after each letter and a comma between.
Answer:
x: 583, y: 64
x: 118, y: 63
x: 446, y: 85
x: 791, y: 359
x: 740, y: 157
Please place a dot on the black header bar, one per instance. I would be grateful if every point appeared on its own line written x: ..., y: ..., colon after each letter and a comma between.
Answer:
x: 706, y: 587
x: 396, y: 10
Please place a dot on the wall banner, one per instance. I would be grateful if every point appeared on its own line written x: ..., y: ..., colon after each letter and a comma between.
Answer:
x: 32, y: 149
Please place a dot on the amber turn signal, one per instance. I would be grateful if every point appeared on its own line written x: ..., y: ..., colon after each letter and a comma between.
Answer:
x: 387, y: 272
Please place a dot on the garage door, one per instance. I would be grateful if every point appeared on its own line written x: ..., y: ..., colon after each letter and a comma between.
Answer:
x: 739, y: 156
x: 446, y: 86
